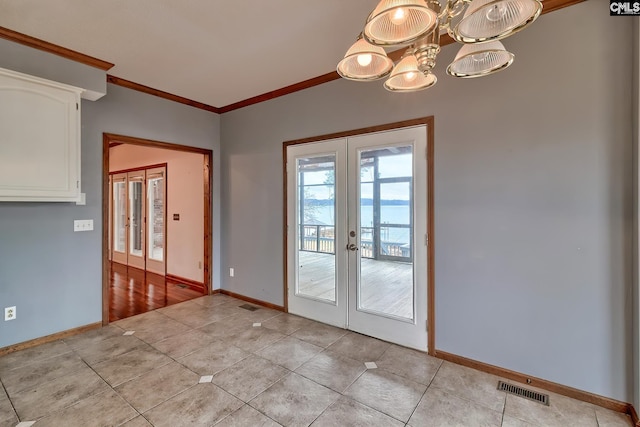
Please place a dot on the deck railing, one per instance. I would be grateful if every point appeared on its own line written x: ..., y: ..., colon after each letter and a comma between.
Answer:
x: 321, y: 238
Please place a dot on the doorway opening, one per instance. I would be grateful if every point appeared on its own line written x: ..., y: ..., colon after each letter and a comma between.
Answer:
x: 359, y: 221
x: 156, y: 225
x: 138, y: 211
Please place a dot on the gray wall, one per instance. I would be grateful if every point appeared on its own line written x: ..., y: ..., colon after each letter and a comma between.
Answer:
x: 533, y: 197
x: 26, y: 60
x: 52, y: 274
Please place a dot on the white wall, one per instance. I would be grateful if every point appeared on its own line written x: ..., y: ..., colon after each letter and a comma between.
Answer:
x: 185, y: 189
x: 533, y: 197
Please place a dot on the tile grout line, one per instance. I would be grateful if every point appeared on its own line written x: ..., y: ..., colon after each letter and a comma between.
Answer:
x: 71, y: 350
x: 174, y: 360
x: 341, y: 394
x: 108, y: 385
x: 255, y: 409
x: 45, y: 360
x: 425, y: 390
x: 329, y: 405
x: 10, y: 401
x: 142, y: 414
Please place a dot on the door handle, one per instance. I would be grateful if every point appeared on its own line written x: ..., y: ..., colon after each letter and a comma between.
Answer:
x: 352, y: 247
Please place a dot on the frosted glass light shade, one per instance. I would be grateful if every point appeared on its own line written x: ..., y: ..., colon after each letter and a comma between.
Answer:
x: 487, y: 20
x: 406, y: 77
x: 364, y: 61
x: 395, y: 22
x: 477, y: 60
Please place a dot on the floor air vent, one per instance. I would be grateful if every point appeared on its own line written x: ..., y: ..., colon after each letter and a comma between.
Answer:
x: 523, y: 392
x: 180, y: 285
x: 248, y: 307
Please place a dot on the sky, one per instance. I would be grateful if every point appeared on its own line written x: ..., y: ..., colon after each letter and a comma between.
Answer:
x: 388, y: 166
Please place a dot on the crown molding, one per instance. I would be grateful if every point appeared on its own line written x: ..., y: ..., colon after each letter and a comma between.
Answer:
x: 44, y: 46
x: 159, y: 93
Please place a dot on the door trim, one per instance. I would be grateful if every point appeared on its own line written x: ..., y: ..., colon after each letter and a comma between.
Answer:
x: 107, y: 139
x: 429, y: 122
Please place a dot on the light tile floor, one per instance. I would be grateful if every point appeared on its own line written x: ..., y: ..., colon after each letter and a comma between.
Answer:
x: 289, y: 371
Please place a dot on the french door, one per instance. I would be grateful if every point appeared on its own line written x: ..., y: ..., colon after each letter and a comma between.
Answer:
x: 138, y: 219
x: 156, y: 219
x: 357, y: 224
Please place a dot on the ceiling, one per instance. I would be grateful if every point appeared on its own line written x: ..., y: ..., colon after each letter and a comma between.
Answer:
x: 216, y: 52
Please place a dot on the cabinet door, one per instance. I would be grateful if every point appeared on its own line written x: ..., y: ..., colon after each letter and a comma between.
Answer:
x: 39, y: 139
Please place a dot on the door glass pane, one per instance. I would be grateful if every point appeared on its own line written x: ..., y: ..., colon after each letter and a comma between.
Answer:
x: 398, y: 163
x: 156, y: 218
x: 119, y: 216
x: 316, y: 228
x: 395, y: 219
x: 135, y: 216
x: 395, y: 200
x: 386, y: 283
x: 366, y: 219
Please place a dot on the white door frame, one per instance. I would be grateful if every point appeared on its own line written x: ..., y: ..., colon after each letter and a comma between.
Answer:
x: 116, y: 255
x: 407, y: 332
x: 153, y: 265
x: 135, y: 260
x: 330, y: 312
x: 429, y: 123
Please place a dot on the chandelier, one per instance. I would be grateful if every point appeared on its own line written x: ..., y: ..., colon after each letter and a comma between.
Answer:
x: 419, y: 24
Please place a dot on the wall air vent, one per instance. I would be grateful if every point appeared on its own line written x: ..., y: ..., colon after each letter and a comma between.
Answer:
x: 523, y: 392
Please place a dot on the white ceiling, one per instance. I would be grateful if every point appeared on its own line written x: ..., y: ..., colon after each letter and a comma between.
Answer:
x: 213, y: 51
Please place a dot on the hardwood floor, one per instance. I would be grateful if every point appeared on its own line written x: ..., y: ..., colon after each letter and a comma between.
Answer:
x: 385, y: 286
x: 133, y: 291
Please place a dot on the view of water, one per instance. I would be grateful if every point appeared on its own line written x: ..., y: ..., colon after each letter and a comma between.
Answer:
x: 401, y: 214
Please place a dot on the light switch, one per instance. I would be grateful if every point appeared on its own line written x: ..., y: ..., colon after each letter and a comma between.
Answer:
x: 83, y: 225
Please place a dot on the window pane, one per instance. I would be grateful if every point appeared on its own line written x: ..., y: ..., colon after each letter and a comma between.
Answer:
x: 135, y: 215
x: 395, y: 203
x: 394, y: 166
x: 119, y: 216
x: 386, y: 283
x: 316, y: 228
x: 156, y: 219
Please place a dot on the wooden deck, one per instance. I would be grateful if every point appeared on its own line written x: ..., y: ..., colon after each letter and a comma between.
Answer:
x: 386, y: 286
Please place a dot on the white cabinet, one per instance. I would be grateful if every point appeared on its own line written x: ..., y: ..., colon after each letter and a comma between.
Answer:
x: 39, y: 139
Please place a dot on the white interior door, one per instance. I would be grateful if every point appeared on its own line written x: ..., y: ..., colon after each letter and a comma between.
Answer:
x: 357, y: 223
x: 136, y: 219
x: 156, y: 220
x: 119, y: 224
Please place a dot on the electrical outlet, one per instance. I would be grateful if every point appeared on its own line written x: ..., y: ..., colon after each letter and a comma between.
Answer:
x: 83, y: 225
x: 200, y: 265
x: 231, y: 272
x: 10, y: 313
